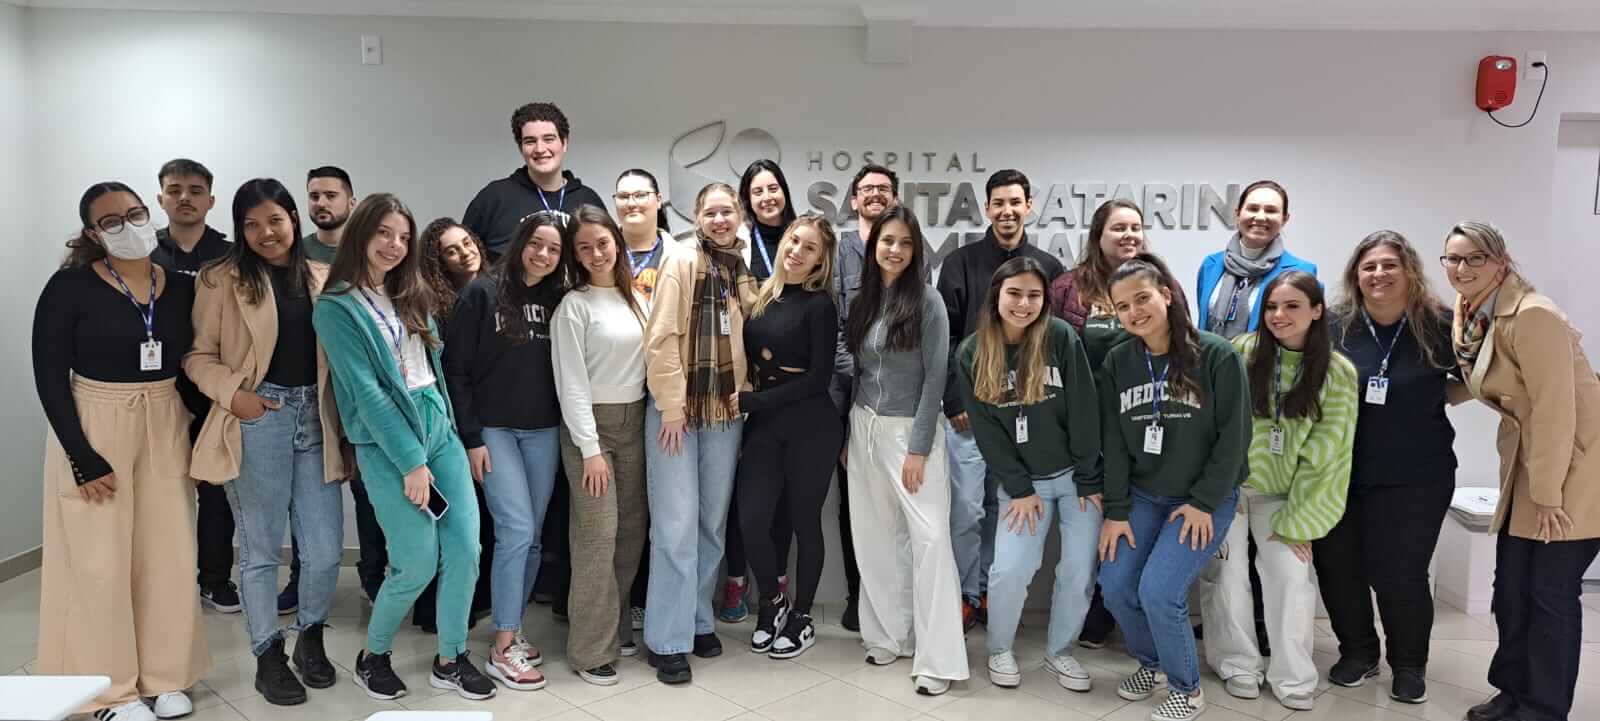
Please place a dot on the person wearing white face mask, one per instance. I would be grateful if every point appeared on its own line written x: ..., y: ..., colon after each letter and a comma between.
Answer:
x: 117, y: 489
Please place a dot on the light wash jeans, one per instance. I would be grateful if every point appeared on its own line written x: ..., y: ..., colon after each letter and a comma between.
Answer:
x: 972, y: 511
x: 689, y: 495
x: 1017, y: 556
x: 1147, y: 588
x: 281, y: 479
x: 518, y: 487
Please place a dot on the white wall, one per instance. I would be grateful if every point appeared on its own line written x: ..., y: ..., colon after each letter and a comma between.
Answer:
x: 1368, y: 130
x: 23, y: 267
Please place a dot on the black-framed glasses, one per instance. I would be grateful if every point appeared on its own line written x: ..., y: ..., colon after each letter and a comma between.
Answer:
x: 1475, y: 260
x: 885, y: 189
x: 114, y: 223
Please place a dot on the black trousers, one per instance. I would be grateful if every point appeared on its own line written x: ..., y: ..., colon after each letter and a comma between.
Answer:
x: 374, y: 560
x: 1540, y: 618
x: 847, y: 541
x: 735, y: 556
x: 213, y: 533
x: 785, y: 460
x: 1383, y: 544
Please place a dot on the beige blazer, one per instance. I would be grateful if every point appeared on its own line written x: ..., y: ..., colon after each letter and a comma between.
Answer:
x: 1533, y: 372
x: 233, y: 342
x: 668, y: 342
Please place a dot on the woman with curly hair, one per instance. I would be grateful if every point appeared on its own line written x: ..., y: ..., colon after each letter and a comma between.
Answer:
x: 452, y: 257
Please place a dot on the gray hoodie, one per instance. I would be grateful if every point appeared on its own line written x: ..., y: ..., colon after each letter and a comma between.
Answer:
x: 906, y: 384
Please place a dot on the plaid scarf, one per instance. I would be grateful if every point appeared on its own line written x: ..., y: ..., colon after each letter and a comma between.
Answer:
x: 1471, y: 324
x: 710, y: 372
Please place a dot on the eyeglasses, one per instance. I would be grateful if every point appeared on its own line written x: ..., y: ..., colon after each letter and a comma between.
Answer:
x: 1476, y: 260
x: 869, y: 189
x: 638, y: 197
x: 113, y: 223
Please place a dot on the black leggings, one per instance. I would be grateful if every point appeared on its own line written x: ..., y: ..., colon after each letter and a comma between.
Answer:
x: 734, y: 550
x: 788, y: 455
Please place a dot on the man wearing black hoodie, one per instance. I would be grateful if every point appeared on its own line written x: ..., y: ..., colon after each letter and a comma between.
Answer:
x: 540, y: 183
x: 964, y: 283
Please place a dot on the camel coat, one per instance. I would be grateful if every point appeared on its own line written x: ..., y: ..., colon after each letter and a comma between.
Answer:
x: 1533, y: 372
x: 233, y: 342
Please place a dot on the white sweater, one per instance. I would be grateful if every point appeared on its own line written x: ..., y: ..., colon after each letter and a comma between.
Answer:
x: 597, y: 349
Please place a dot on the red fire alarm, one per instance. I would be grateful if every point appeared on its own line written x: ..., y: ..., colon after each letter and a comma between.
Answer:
x: 1497, y: 82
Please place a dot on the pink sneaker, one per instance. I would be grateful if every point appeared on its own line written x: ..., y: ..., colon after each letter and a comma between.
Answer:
x: 513, y: 669
x: 734, y: 608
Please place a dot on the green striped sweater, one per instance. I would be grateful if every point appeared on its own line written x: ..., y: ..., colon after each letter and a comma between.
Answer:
x: 1313, y: 472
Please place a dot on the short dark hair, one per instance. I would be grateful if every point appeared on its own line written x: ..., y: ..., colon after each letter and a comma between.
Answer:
x: 181, y: 167
x: 331, y: 171
x: 871, y: 168
x: 1007, y: 176
x: 535, y: 112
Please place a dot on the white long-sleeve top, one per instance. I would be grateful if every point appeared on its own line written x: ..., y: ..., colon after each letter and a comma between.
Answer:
x: 597, y: 349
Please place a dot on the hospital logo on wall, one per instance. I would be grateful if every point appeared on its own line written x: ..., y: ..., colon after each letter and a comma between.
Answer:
x: 942, y: 187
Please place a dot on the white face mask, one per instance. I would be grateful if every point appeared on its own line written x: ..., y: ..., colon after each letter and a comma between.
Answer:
x: 132, y: 242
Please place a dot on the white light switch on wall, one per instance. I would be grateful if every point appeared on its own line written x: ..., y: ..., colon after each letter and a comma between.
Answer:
x: 371, y: 50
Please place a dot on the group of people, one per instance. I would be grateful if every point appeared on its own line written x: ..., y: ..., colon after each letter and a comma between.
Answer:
x: 697, y: 397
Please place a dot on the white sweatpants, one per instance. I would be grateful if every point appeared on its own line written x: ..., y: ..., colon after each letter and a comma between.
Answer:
x: 1288, y: 595
x: 910, y: 600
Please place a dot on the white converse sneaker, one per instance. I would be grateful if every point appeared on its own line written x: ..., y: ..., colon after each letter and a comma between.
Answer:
x: 1003, y: 671
x: 131, y: 711
x: 1180, y: 707
x: 173, y: 704
x: 1141, y: 684
x: 930, y: 686
x: 1243, y: 686
x: 1069, y: 673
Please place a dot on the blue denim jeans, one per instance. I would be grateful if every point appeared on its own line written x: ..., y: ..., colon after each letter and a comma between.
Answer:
x: 972, y: 511
x: 281, y: 480
x: 689, y: 496
x: 1017, y: 556
x: 518, y: 486
x: 1147, y: 588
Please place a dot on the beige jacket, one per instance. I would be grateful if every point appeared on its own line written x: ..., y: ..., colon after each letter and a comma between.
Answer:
x: 668, y: 345
x: 233, y: 342
x: 1533, y: 371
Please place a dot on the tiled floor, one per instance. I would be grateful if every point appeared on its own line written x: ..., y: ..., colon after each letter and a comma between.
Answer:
x: 828, y: 683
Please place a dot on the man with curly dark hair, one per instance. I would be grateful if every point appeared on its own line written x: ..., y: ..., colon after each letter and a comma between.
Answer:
x: 540, y: 183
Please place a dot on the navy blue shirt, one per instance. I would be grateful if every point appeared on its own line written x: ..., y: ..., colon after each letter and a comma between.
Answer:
x: 1408, y: 440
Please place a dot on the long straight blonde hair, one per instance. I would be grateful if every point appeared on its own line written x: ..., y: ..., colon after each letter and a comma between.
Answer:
x: 820, y: 278
x: 991, y: 379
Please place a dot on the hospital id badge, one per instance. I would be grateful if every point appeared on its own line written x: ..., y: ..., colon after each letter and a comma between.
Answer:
x: 1275, y: 441
x: 1022, y: 429
x: 727, y: 323
x: 1153, y: 435
x: 1378, y: 390
x: 150, y: 355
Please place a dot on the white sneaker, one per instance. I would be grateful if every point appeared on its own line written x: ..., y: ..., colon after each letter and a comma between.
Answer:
x: 173, y: 704
x: 881, y: 656
x: 131, y: 711
x: 1299, y: 702
x: 1180, y: 707
x: 1003, y: 670
x: 1069, y: 673
x: 930, y: 686
x: 529, y: 651
x: 1243, y: 686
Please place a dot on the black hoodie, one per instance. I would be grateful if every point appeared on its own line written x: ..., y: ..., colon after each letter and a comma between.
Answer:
x: 964, y: 284
x: 497, y: 210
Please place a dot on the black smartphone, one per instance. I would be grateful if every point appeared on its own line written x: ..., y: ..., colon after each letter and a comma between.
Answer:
x: 437, y: 504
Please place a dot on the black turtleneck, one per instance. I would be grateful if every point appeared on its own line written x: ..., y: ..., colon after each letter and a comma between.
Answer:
x: 798, y: 330
x: 768, y: 236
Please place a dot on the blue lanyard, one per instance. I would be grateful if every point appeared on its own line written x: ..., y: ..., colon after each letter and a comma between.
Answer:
x: 396, y: 331
x: 1233, y: 303
x: 149, y: 317
x: 561, y: 199
x: 1383, y: 367
x: 649, y: 257
x: 1158, y: 386
x: 761, y: 245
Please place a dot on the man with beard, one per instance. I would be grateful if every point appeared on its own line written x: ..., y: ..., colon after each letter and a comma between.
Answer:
x: 873, y: 192
x: 964, y: 284
x: 331, y: 200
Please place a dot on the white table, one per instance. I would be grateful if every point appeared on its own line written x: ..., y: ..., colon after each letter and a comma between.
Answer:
x: 47, y: 698
x: 431, y: 716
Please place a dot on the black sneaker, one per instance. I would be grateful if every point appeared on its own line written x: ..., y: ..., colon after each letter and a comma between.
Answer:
x: 1351, y: 673
x: 602, y: 675
x: 774, y: 614
x: 1409, y: 686
x: 274, y: 680
x: 375, y: 676
x: 288, y: 600
x: 672, y: 668
x: 312, y: 659
x: 221, y: 597
x: 707, y: 645
x: 798, y: 635
x: 461, y: 677
x: 1502, y: 706
x: 851, y: 621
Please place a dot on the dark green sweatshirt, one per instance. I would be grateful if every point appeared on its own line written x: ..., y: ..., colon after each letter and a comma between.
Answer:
x: 1063, y: 429
x: 1206, y: 438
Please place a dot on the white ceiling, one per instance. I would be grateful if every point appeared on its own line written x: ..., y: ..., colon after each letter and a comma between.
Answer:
x: 1567, y: 15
